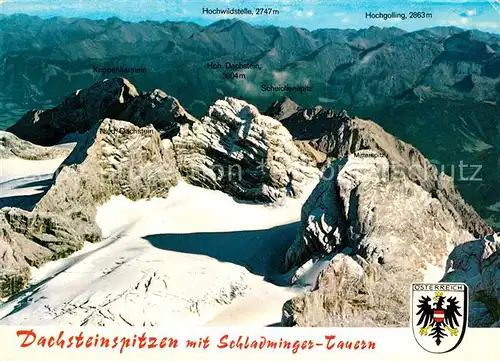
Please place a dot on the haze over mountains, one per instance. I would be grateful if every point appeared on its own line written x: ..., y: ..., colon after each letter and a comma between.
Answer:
x: 438, y: 88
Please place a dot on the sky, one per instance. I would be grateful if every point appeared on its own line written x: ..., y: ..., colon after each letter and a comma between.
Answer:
x: 310, y: 14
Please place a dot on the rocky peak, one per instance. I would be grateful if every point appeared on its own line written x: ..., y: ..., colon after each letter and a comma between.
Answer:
x: 248, y: 155
x: 307, y: 123
x: 113, y: 98
x: 157, y: 108
x: 477, y: 263
x: 384, y: 203
x: 76, y: 114
x: 282, y: 109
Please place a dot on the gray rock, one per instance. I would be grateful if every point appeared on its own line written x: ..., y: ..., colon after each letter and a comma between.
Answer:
x: 248, y: 155
x: 374, y: 188
x: 11, y: 146
x: 113, y: 158
x: 388, y: 204
x: 287, y: 315
x: 113, y: 98
x: 477, y: 263
x: 157, y: 108
x: 343, y: 264
x: 17, y: 253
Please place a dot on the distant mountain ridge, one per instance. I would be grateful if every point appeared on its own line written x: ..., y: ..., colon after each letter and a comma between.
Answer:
x: 52, y: 57
x: 436, y: 88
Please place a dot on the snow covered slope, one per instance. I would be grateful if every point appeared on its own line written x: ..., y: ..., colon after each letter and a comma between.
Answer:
x: 197, y: 257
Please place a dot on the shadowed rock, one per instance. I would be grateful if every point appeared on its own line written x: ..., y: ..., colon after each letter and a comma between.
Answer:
x: 157, y: 108
x: 114, y: 98
x: 384, y: 202
x: 77, y: 114
x: 477, y: 263
x: 17, y: 254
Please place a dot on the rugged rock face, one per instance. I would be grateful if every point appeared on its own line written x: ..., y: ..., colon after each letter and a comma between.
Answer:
x: 352, y: 293
x: 311, y: 128
x: 248, y: 155
x: 17, y: 254
x: 234, y: 147
x: 157, y: 108
x: 371, y: 159
x: 77, y: 114
x: 364, y: 204
x: 283, y: 109
x: 12, y: 146
x: 113, y: 98
x: 384, y: 202
x: 457, y: 136
x: 477, y: 263
x: 114, y: 157
x: 306, y: 123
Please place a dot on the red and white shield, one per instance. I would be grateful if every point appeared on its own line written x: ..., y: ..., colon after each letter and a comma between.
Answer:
x: 429, y: 316
x: 438, y: 315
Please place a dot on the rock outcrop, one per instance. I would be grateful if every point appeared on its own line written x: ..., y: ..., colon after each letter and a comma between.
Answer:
x: 143, y: 154
x: 116, y: 157
x: 162, y: 111
x: 248, y: 155
x: 11, y: 146
x: 113, y: 158
x: 311, y: 128
x: 234, y: 149
x: 18, y: 253
x: 114, y: 98
x: 383, y: 202
x: 477, y: 263
x: 352, y: 293
x: 376, y: 168
x: 458, y: 136
x: 77, y: 114
x: 306, y: 123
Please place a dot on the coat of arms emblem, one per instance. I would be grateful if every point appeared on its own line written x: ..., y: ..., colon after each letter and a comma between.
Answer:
x: 439, y: 315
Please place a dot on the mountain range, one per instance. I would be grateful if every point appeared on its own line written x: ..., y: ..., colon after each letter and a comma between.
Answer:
x: 375, y: 215
x: 175, y: 173
x: 436, y: 88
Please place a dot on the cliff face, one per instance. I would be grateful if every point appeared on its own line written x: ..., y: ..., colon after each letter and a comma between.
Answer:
x: 464, y: 147
x: 382, y: 206
x: 477, y: 263
x: 77, y: 114
x: 391, y: 160
x: 248, y: 155
x: 112, y: 158
x: 114, y: 98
